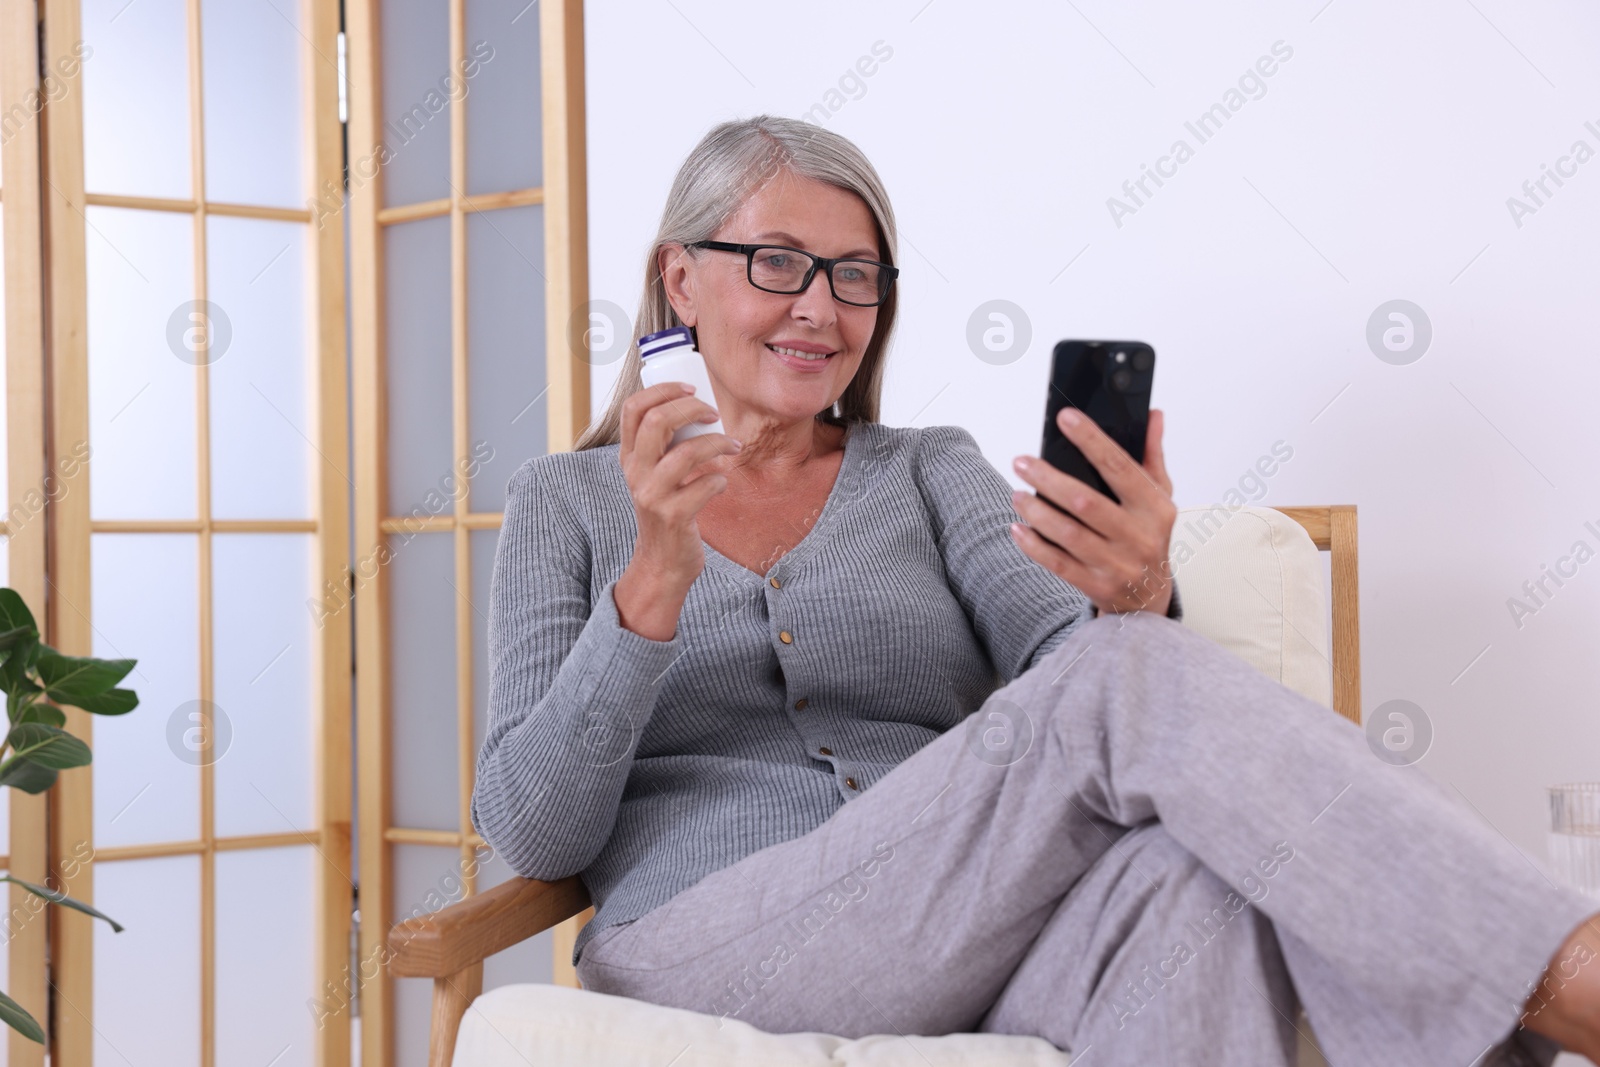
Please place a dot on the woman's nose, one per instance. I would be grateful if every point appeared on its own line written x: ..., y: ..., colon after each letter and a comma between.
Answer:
x: 815, y: 304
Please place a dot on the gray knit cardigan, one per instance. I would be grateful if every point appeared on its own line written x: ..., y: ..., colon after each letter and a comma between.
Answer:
x: 643, y: 765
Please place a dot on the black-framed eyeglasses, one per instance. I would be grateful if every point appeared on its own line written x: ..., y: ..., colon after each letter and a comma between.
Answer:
x: 779, y: 269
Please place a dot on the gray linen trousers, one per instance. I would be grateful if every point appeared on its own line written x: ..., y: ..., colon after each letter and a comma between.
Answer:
x: 1144, y: 851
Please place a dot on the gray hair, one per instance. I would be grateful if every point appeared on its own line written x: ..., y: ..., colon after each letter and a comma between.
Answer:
x: 730, y: 164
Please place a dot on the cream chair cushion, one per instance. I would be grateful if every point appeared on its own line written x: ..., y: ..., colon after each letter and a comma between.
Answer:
x: 1252, y: 581
x: 517, y: 1025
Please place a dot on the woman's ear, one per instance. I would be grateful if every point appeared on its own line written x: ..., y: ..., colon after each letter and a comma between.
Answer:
x: 672, y: 260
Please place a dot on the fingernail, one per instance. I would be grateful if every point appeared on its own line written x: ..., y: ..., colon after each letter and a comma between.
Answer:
x: 686, y: 387
x: 1017, y: 496
x: 1022, y: 463
x: 738, y: 445
x: 1070, y: 417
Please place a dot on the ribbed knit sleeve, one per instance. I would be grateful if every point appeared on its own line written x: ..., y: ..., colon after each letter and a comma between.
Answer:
x: 1019, y: 610
x: 570, y: 690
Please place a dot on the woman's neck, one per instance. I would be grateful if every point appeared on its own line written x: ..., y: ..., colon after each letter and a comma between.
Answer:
x: 775, y: 452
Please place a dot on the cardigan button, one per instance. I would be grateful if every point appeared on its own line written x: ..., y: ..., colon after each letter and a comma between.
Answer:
x: 786, y: 637
x: 825, y: 750
x: 800, y: 705
x: 851, y: 782
x: 775, y: 583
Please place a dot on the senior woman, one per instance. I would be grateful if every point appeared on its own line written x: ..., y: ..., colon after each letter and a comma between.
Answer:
x: 837, y: 746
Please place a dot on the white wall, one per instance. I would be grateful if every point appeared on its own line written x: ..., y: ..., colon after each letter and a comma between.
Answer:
x: 1376, y: 166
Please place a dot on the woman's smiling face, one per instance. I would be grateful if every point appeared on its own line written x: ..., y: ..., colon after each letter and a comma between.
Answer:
x: 750, y: 337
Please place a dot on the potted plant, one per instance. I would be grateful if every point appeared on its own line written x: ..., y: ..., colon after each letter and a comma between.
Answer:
x: 37, y: 679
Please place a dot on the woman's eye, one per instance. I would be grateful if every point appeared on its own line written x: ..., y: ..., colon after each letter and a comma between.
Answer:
x: 778, y: 261
x: 854, y: 274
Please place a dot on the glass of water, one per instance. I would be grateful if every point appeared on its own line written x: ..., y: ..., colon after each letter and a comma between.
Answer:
x: 1575, y: 835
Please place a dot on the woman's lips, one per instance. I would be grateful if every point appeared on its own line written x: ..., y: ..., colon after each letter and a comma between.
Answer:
x: 800, y: 362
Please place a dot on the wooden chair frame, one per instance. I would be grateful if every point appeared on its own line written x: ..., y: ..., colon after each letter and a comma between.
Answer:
x: 450, y: 945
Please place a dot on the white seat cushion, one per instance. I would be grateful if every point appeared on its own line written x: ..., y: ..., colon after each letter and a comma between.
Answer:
x: 554, y: 1026
x: 1252, y: 581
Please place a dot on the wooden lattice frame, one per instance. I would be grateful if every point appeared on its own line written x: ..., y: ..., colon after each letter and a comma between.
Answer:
x: 567, y: 400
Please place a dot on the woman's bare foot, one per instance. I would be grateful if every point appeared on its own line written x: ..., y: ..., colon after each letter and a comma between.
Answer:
x: 1565, y: 1005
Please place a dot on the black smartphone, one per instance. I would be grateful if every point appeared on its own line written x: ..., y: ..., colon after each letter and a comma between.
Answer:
x: 1109, y: 381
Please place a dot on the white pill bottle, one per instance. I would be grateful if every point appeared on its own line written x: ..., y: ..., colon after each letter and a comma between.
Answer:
x: 670, y: 356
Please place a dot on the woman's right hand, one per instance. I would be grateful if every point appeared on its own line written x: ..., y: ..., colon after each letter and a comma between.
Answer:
x: 670, y: 483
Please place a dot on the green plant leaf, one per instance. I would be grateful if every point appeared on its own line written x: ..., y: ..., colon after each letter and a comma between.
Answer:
x: 16, y: 1016
x: 68, y: 679
x: 27, y: 776
x: 11, y: 638
x: 14, y: 613
x: 14, y: 668
x: 111, y: 702
x: 61, y: 898
x: 48, y: 746
x: 48, y: 714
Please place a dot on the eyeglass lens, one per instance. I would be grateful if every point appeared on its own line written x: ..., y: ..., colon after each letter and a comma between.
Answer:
x: 781, y: 270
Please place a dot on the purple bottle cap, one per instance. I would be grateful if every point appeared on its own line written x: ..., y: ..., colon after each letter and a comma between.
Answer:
x: 662, y: 340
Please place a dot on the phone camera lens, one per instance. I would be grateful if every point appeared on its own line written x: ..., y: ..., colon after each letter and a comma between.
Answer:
x: 1142, y: 360
x: 1121, y: 378
x: 1121, y: 357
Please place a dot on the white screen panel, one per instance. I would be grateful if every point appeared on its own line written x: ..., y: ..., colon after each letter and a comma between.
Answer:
x: 425, y: 879
x: 413, y: 998
x: 266, y: 959
x: 147, y: 762
x: 505, y: 134
x: 262, y: 423
x: 529, y: 961
x: 262, y: 644
x: 147, y: 978
x: 5, y: 821
x: 136, y: 98
x: 507, y: 385
x: 5, y: 794
x: 422, y: 682
x: 5, y: 968
x: 5, y: 824
x: 417, y: 84
x: 250, y: 59
x: 143, y: 330
x: 5, y: 472
x: 483, y: 544
x: 417, y: 367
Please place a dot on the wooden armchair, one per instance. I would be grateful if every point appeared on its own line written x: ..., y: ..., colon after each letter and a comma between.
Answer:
x: 451, y: 944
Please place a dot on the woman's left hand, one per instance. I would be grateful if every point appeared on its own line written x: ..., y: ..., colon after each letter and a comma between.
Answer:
x: 1117, y: 554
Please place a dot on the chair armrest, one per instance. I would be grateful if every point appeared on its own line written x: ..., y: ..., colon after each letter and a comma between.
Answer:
x: 453, y: 938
